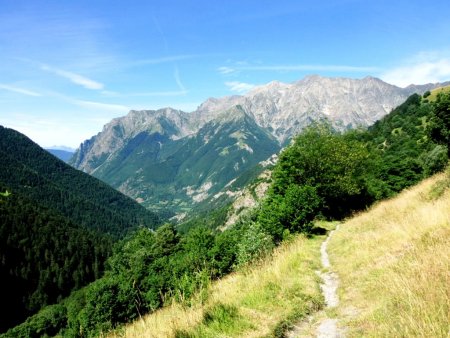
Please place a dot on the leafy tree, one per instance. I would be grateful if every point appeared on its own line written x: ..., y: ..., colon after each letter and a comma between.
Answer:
x: 333, y: 164
x: 197, y: 244
x: 223, y: 253
x: 434, y: 160
x: 294, y: 211
x: 440, y: 130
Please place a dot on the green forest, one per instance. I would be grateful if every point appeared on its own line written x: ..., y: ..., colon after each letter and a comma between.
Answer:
x: 29, y: 170
x: 323, y: 174
x: 57, y: 227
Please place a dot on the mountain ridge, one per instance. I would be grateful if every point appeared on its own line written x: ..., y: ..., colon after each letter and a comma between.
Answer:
x: 277, y: 110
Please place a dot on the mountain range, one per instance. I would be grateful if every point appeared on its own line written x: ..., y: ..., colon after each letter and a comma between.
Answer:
x: 173, y: 161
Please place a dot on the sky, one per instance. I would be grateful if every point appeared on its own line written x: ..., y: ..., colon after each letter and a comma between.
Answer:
x: 69, y: 67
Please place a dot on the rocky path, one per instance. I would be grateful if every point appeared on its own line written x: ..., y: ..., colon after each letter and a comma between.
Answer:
x: 320, y: 325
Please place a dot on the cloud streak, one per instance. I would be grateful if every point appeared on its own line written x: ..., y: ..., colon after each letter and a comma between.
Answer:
x: 74, y: 78
x: 239, y: 87
x: 117, y: 108
x: 18, y: 90
x: 176, y: 75
x: 164, y: 59
x: 225, y: 70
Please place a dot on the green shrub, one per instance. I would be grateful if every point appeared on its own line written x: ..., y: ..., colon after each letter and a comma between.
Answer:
x: 254, y: 243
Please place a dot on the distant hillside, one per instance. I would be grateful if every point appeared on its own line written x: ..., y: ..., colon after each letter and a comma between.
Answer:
x: 173, y: 161
x: 57, y: 227
x: 164, y: 171
x: 44, y: 256
x: 63, y: 155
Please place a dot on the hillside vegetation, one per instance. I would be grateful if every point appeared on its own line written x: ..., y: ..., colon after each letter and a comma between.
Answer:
x: 433, y: 93
x: 394, y: 265
x: 260, y: 300
x: 28, y: 170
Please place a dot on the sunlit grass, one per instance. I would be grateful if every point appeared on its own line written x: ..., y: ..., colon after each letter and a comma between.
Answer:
x: 258, y: 301
x: 435, y: 92
x: 394, y: 265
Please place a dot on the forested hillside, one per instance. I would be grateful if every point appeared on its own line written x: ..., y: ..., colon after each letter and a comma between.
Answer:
x: 57, y: 227
x: 408, y: 145
x: 27, y: 169
x: 43, y: 256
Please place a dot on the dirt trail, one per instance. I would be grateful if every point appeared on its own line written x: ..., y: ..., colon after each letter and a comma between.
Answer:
x: 320, y: 325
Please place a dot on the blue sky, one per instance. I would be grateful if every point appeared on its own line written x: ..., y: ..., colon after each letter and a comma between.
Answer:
x: 69, y: 67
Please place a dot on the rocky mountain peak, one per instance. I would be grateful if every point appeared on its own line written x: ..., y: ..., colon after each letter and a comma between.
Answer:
x: 165, y: 157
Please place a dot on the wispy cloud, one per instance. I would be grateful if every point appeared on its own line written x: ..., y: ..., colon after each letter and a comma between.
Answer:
x: 117, y: 108
x: 162, y: 93
x: 176, y: 75
x: 226, y: 70
x: 239, y: 87
x: 18, y: 90
x: 294, y: 68
x: 420, y: 69
x: 164, y: 59
x: 74, y: 78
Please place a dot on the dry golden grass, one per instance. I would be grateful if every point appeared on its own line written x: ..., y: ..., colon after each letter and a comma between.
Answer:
x: 435, y: 92
x: 258, y: 299
x: 394, y: 266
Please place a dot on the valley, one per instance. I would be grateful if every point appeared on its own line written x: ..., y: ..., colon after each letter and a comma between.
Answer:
x: 177, y: 163
x: 274, y: 225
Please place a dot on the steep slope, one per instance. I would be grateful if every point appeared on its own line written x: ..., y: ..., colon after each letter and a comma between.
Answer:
x: 57, y: 227
x: 29, y: 170
x: 161, y: 170
x: 259, y: 301
x: 393, y: 265
x: 173, y: 124
x: 391, y: 249
x: 164, y: 158
x: 44, y: 256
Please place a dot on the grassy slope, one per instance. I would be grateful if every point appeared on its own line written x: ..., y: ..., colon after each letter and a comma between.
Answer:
x: 435, y: 92
x: 394, y: 265
x: 252, y: 303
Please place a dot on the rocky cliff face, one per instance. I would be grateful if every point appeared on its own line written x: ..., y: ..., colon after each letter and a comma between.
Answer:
x: 172, y: 160
x: 284, y: 109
